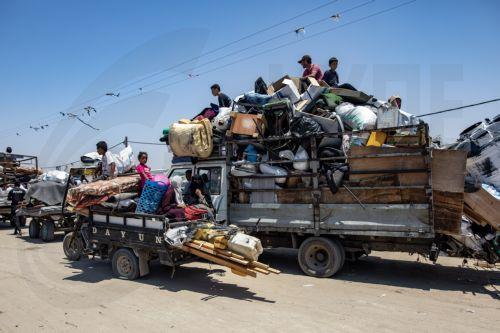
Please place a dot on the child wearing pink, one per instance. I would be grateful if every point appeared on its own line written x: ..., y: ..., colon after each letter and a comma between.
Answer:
x: 142, y: 169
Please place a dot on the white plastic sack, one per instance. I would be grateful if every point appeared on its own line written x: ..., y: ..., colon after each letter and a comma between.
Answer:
x: 286, y: 155
x: 55, y: 176
x: 246, y: 246
x: 301, y: 160
x: 177, y: 236
x: 124, y: 160
x: 274, y: 170
x: 356, y: 117
x: 221, y: 120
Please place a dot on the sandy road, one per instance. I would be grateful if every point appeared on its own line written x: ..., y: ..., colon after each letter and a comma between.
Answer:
x: 41, y: 291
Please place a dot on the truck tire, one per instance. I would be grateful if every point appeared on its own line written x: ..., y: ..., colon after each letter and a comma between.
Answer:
x: 72, y: 249
x: 321, y: 257
x: 47, y: 231
x: 34, y: 229
x: 125, y: 264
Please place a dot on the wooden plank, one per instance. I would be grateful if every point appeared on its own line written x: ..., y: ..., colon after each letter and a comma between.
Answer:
x: 448, y: 170
x: 395, y: 179
x: 367, y: 151
x: 390, y: 195
x: 395, y: 163
x: 447, y: 208
x: 484, y: 207
x: 448, y: 176
x: 226, y: 263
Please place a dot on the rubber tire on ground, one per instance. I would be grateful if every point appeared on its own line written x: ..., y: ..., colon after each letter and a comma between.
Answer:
x: 125, y: 264
x: 47, y: 231
x: 321, y: 257
x: 74, y: 252
x: 34, y: 228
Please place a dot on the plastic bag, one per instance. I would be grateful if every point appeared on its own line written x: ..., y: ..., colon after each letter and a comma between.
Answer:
x: 286, y: 155
x: 124, y: 160
x: 302, y: 126
x: 56, y: 176
x: 357, y: 118
x: 248, y: 246
x: 221, y: 121
x: 274, y: 170
x: 301, y: 160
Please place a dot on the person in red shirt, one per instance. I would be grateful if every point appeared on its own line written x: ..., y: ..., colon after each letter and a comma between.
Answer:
x: 142, y: 169
x: 310, y: 69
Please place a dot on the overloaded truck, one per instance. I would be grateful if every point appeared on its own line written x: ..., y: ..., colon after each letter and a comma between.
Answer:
x: 400, y: 196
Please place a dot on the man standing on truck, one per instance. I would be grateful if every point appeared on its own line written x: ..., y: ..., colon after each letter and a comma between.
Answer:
x: 224, y: 100
x: 108, y: 165
x: 16, y: 196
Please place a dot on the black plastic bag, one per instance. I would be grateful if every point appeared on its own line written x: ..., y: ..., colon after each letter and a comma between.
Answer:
x: 303, y: 126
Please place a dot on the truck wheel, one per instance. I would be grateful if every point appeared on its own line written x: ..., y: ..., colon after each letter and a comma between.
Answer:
x: 321, y: 257
x: 72, y: 249
x: 47, y: 231
x: 34, y: 228
x: 125, y: 264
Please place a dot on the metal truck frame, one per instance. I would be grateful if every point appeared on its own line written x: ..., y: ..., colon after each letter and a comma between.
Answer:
x: 326, y: 228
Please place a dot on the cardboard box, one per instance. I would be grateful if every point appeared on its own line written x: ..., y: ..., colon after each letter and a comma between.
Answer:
x: 247, y: 124
x: 277, y: 85
x: 313, y: 90
x: 289, y: 90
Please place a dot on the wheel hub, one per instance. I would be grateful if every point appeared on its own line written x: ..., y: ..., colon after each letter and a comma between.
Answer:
x: 124, y: 265
x: 317, y: 257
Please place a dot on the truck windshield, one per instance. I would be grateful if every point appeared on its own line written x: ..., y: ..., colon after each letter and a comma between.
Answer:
x: 214, y: 178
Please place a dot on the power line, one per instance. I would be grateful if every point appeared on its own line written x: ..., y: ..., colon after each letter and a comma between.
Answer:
x: 276, y: 48
x: 459, y: 108
x: 272, y: 49
x: 86, y: 102
x: 256, y: 44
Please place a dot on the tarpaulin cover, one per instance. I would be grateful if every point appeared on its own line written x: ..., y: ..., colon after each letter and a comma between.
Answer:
x: 49, y: 192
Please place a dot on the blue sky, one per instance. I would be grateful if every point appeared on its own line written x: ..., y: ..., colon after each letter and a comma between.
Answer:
x: 57, y: 55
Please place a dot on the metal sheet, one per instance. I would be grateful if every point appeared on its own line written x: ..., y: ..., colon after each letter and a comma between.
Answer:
x: 410, y: 218
x: 277, y: 215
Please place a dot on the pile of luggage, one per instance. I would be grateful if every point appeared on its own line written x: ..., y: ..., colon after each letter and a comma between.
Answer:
x: 290, y: 108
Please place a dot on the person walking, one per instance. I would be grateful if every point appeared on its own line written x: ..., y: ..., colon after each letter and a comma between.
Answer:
x: 16, y: 196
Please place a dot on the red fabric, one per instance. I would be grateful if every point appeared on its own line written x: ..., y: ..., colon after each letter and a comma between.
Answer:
x: 193, y: 213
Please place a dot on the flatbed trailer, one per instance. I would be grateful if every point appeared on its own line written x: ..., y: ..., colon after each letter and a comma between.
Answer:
x: 408, y: 197
x: 46, y: 220
x: 129, y: 240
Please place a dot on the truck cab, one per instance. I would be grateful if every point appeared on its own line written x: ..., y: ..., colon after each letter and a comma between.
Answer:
x: 215, y: 169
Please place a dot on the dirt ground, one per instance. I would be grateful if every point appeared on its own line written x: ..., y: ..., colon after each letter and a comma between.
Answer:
x: 42, y: 291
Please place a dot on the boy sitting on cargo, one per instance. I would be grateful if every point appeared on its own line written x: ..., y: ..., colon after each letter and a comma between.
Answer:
x: 224, y: 100
x: 108, y: 165
x: 142, y: 169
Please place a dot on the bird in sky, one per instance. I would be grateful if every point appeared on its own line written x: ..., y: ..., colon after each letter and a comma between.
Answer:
x: 113, y: 94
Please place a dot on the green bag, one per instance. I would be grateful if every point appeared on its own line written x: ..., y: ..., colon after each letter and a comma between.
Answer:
x: 329, y: 100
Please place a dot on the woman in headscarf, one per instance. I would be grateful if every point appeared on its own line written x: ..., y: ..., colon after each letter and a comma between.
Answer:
x: 172, y: 203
